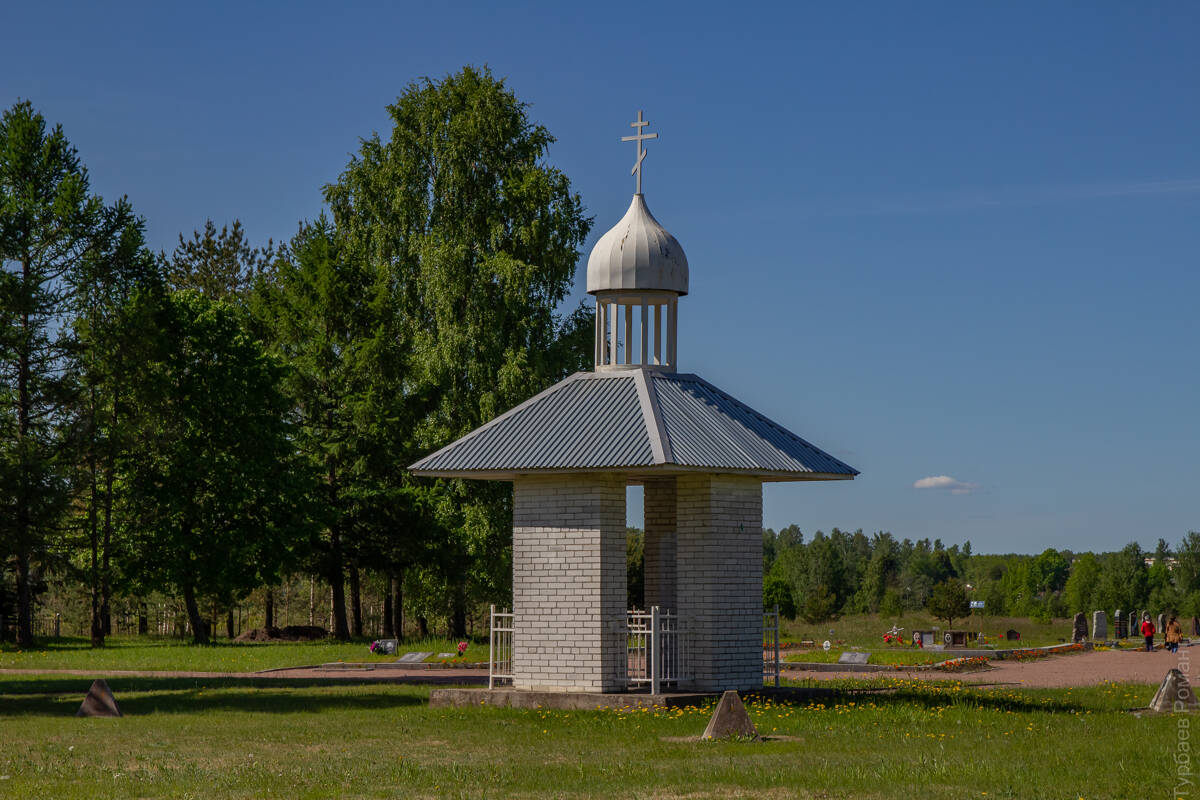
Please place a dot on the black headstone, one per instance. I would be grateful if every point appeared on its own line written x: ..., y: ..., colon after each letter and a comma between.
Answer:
x: 1079, y: 630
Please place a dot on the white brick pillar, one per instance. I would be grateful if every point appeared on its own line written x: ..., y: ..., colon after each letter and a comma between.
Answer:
x: 569, y: 583
x: 719, y: 579
x: 659, y: 549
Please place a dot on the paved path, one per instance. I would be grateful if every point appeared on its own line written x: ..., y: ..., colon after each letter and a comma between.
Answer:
x: 1078, y: 669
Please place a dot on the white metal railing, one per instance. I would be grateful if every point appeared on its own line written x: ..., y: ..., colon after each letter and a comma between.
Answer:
x: 500, y: 642
x: 655, y: 649
x: 771, y: 643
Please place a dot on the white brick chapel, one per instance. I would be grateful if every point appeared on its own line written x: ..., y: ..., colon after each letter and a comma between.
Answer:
x: 701, y: 456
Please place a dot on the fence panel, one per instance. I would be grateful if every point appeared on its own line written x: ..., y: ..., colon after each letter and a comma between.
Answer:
x: 771, y: 643
x: 655, y: 649
x: 500, y: 640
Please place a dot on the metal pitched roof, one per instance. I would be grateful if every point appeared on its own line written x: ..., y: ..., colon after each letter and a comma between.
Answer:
x: 637, y: 421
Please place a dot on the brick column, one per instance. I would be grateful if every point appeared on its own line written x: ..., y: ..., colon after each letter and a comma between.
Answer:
x: 569, y: 583
x: 659, y: 547
x: 719, y: 579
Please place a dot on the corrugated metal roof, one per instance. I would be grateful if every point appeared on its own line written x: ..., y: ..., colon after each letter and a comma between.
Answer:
x: 709, y: 428
x: 575, y: 424
x: 633, y: 420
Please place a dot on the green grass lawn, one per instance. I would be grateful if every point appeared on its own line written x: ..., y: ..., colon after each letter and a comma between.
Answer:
x: 876, y: 739
x: 146, y: 653
x: 866, y: 630
x: 884, y: 655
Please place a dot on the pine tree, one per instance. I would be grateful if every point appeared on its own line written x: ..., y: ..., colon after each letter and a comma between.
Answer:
x: 48, y: 225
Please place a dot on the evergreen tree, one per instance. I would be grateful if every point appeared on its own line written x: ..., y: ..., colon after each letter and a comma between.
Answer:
x: 48, y: 225
x: 105, y: 337
x: 949, y: 601
x: 221, y: 266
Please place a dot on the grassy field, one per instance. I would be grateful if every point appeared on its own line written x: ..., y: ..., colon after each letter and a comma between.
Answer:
x: 866, y: 630
x: 146, y: 653
x: 876, y: 739
x: 882, y: 656
x: 152, y: 653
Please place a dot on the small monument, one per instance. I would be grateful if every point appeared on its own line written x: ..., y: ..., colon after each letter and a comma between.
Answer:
x: 1118, y: 625
x: 99, y: 701
x: 730, y: 719
x: 1079, y: 629
x: 1099, y: 626
x: 1134, y: 622
x: 1174, y: 694
x: 1162, y: 624
x: 1195, y: 626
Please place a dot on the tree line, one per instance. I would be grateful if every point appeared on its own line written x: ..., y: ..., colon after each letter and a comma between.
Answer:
x: 205, y: 422
x: 850, y: 572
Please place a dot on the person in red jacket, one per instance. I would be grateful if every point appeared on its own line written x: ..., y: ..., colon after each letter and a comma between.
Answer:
x: 1148, y: 630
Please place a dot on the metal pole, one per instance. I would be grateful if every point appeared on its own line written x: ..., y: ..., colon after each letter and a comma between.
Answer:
x: 777, y: 645
x: 652, y: 650
x: 491, y: 644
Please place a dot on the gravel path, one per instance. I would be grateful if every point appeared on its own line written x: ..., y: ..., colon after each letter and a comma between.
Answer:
x: 1079, y: 669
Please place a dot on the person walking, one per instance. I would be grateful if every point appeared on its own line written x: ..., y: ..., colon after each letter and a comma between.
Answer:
x: 1148, y: 631
x: 1174, y: 634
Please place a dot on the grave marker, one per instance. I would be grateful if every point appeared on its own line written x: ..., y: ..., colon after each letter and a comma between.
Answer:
x: 99, y: 701
x: 730, y: 719
x: 1099, y: 626
x: 1079, y: 628
x: 1174, y: 694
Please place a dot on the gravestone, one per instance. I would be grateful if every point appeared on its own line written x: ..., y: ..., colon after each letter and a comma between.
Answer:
x: 446, y: 655
x: 1175, y: 693
x: 1013, y: 635
x: 730, y: 719
x: 1162, y: 624
x: 1079, y: 629
x: 413, y: 658
x: 1134, y: 621
x: 1118, y: 625
x: 1195, y: 626
x: 385, y: 647
x: 99, y: 701
x: 1099, y: 626
x: 853, y: 658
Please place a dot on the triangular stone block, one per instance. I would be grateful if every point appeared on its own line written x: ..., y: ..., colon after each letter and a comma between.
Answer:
x: 730, y: 719
x: 1175, y: 694
x: 99, y: 701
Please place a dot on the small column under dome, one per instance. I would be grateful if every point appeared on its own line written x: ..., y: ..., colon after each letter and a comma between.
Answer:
x: 637, y: 272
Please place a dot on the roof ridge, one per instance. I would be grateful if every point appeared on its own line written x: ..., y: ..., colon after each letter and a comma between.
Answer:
x: 660, y: 441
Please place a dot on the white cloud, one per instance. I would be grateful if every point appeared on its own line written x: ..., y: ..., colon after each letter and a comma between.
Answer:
x: 954, y: 485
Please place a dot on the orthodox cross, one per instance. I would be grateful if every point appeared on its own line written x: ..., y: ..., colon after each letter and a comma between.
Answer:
x: 639, y: 137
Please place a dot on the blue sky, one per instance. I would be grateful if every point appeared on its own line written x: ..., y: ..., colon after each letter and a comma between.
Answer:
x: 934, y: 239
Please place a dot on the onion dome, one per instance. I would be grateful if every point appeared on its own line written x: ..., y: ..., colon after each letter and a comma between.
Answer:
x: 637, y: 254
